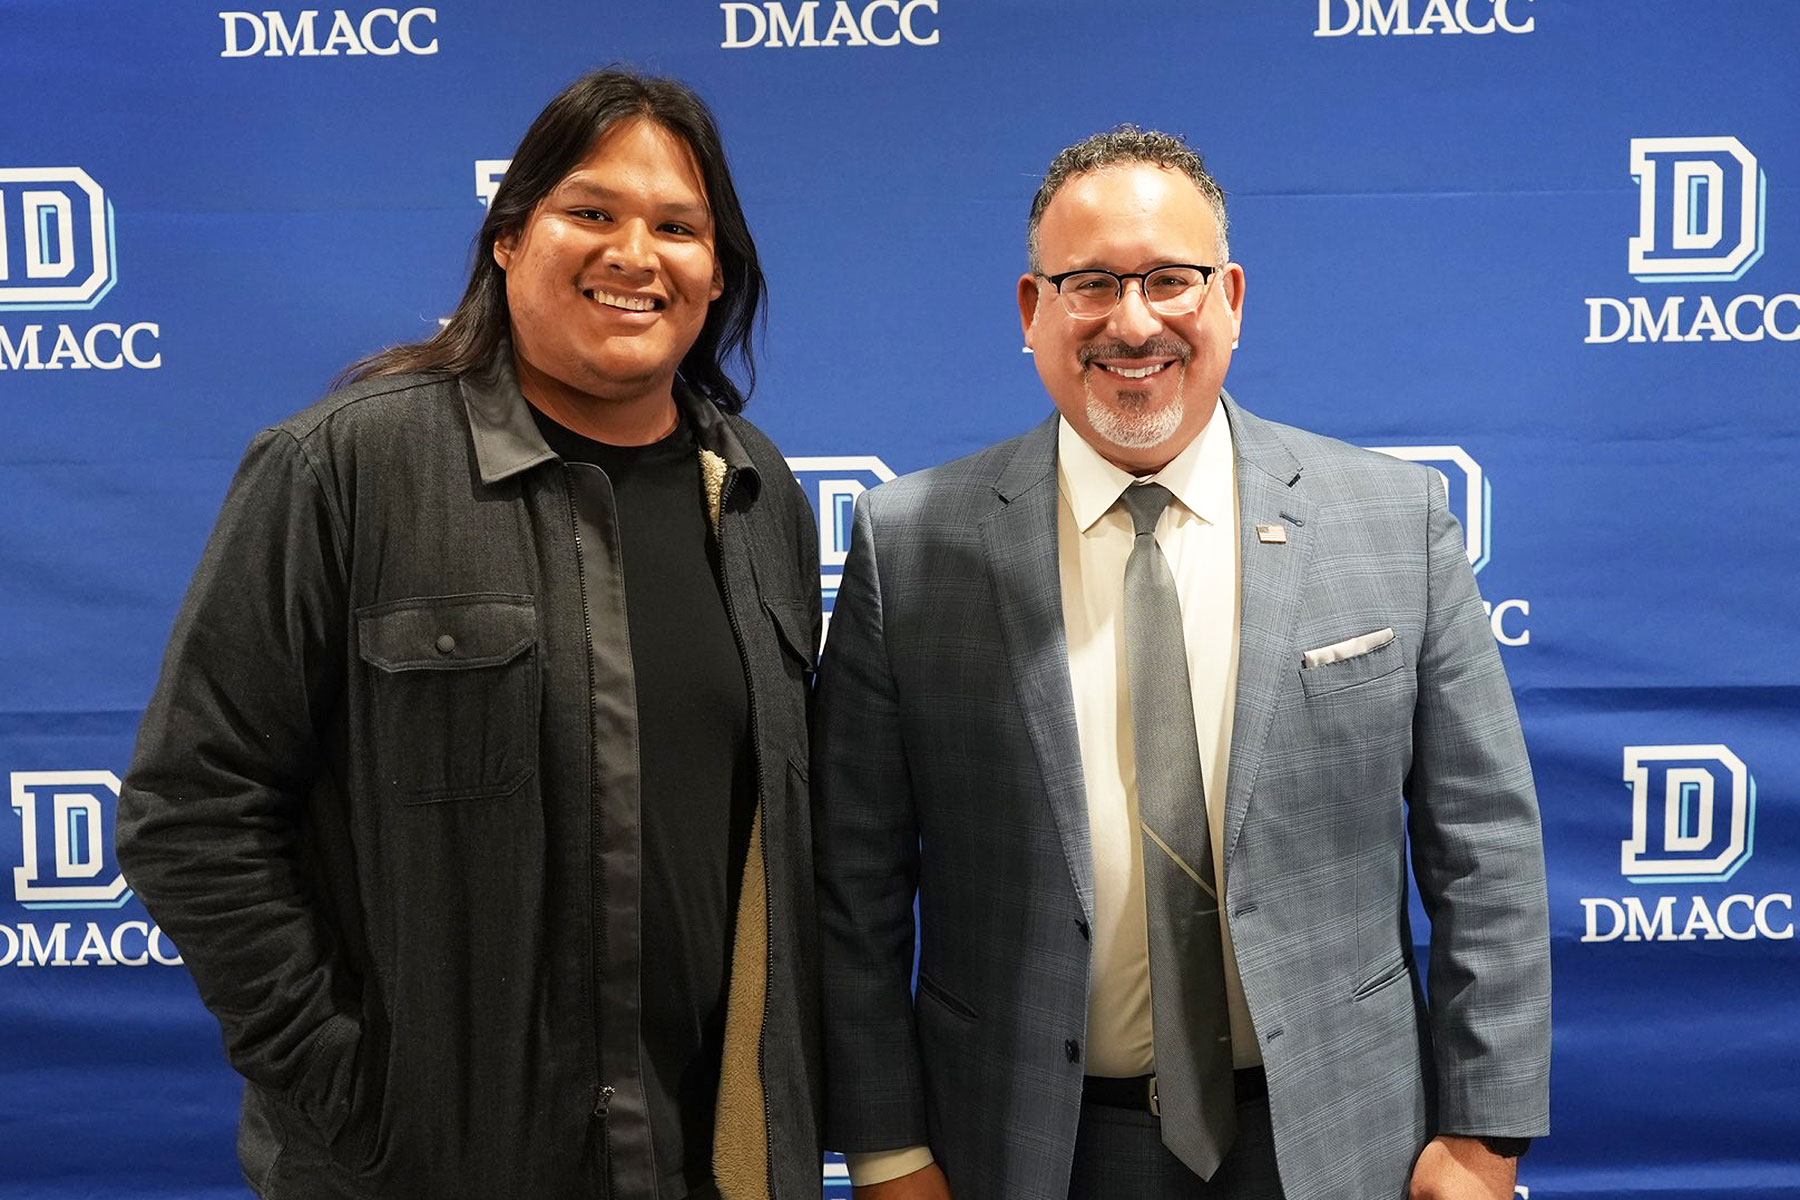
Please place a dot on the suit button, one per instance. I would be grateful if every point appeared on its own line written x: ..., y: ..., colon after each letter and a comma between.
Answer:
x: 1082, y: 925
x: 1072, y: 1048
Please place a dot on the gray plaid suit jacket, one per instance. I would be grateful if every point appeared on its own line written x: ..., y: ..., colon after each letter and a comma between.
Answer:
x: 946, y: 763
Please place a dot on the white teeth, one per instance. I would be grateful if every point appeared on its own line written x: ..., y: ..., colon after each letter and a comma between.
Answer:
x: 632, y: 303
x: 1130, y: 373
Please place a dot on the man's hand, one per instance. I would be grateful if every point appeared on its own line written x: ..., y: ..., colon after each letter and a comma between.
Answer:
x: 927, y: 1183
x: 1461, y: 1168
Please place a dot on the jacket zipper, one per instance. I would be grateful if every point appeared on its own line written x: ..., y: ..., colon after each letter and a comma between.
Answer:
x: 603, y: 1096
x: 737, y: 633
x: 603, y: 1092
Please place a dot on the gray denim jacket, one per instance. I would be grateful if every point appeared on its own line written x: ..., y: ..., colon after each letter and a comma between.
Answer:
x: 385, y: 801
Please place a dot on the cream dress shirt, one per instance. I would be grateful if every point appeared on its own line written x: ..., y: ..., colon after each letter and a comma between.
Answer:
x: 1199, y: 538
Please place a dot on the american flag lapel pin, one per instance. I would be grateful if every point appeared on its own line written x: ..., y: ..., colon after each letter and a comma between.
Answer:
x: 1272, y: 535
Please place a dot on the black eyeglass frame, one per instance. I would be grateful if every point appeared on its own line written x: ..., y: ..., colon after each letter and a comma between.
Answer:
x: 1119, y: 277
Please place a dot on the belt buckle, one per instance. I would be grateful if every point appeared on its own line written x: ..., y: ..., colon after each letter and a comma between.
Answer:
x: 1155, y: 1106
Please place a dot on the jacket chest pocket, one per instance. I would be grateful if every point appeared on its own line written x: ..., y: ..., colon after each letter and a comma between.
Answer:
x: 453, y: 695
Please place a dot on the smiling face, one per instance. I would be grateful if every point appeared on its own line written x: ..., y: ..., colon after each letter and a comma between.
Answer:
x: 609, y: 282
x: 1136, y: 385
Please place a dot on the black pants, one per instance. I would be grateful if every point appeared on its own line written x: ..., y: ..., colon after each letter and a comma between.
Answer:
x: 1119, y: 1155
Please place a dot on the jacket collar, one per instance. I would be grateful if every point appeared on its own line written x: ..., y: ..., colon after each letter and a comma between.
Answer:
x: 507, y: 440
x: 1259, y: 444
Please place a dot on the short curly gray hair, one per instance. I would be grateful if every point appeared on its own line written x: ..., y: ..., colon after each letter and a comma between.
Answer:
x: 1123, y: 146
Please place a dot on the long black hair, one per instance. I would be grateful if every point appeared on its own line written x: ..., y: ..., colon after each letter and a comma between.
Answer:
x: 555, y: 144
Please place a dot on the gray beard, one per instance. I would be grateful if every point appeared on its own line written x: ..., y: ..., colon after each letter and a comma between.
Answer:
x: 1130, y: 423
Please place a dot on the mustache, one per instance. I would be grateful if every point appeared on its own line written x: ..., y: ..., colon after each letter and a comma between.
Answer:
x: 1161, y: 346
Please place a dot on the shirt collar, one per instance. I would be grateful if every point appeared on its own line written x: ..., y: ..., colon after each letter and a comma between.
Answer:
x: 1200, y: 477
x: 507, y: 440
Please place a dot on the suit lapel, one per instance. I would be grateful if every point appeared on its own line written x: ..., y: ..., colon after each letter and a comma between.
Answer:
x: 1019, y: 536
x: 1270, y: 492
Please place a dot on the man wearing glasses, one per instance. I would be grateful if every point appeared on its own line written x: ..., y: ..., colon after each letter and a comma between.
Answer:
x: 1155, y: 652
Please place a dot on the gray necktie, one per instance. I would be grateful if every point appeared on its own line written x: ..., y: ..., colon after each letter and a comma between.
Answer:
x: 1194, y: 1083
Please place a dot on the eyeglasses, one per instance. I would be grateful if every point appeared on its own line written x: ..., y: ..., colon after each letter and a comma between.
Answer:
x: 1171, y: 290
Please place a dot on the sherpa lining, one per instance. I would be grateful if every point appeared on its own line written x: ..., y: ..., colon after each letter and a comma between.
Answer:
x: 740, y: 1135
x: 741, y: 1120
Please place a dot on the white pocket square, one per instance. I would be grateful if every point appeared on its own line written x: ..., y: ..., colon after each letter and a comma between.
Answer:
x: 1348, y: 648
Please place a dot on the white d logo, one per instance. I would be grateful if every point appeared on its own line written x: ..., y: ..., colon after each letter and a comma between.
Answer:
x: 1700, y: 209
x: 1693, y: 814
x: 56, y: 239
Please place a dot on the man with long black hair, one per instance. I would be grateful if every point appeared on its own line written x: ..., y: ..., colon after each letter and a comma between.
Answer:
x: 474, y: 789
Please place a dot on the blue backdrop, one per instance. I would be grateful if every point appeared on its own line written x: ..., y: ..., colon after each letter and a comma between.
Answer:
x: 1545, y: 245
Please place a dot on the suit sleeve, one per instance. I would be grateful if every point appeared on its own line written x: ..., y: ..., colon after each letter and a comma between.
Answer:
x: 211, y: 813
x: 867, y: 861
x: 1479, y: 862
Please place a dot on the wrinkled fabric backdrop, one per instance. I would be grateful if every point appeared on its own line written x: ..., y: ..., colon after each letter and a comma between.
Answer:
x: 1544, y: 245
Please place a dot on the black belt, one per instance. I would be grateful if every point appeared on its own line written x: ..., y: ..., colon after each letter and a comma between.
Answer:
x: 1138, y: 1092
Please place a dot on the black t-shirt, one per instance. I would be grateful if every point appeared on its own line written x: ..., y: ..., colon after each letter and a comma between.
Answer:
x: 698, y: 782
